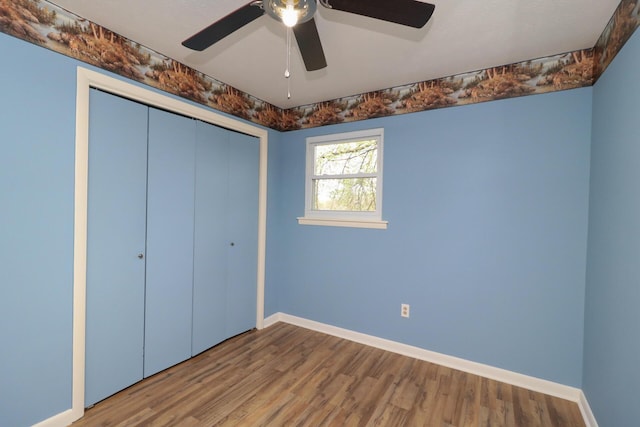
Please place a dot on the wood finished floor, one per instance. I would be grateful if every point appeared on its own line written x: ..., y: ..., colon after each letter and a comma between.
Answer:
x: 285, y: 375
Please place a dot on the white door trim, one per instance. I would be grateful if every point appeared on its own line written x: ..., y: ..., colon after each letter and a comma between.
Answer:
x: 87, y: 79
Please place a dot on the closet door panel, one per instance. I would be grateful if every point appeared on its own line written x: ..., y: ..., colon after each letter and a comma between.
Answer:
x: 115, y: 237
x: 170, y: 221
x: 211, y: 242
x: 244, y: 155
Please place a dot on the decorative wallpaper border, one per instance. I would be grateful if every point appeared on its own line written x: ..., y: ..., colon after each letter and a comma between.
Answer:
x: 553, y: 73
x: 47, y: 25
x: 621, y: 26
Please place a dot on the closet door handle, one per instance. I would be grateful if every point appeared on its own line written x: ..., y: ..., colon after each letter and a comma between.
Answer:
x: 140, y: 255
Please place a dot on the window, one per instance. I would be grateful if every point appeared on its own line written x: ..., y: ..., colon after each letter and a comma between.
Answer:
x: 344, y: 180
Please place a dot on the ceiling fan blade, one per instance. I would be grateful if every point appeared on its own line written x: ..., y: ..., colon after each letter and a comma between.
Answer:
x: 310, y: 46
x: 222, y: 28
x: 404, y: 12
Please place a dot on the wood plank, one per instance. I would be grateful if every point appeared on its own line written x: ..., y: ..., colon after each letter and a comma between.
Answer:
x: 285, y: 375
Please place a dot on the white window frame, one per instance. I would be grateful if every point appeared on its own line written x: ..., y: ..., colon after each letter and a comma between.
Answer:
x: 343, y: 218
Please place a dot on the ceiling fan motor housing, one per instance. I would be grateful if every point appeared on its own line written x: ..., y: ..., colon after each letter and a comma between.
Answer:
x: 304, y: 8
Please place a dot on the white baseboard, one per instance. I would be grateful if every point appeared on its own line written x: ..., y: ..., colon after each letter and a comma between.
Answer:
x: 272, y: 320
x: 62, y: 419
x: 585, y: 409
x: 531, y: 383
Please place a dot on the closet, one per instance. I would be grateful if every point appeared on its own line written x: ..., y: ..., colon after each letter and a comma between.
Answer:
x: 171, y: 240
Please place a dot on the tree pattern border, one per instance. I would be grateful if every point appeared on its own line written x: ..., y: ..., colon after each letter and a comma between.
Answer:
x: 47, y: 25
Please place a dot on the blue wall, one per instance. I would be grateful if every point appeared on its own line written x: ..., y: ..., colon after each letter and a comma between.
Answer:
x: 487, y: 210
x: 612, y: 327
x: 37, y: 128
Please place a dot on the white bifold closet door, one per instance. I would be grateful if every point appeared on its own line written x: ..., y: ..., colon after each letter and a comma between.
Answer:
x: 172, y: 240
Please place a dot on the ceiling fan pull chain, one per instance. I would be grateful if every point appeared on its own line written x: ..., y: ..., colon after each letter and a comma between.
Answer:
x: 287, y: 74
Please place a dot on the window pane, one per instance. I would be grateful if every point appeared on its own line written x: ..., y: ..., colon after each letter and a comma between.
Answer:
x: 354, y: 194
x: 346, y: 158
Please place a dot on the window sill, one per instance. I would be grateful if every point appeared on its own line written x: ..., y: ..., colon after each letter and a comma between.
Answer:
x: 377, y: 224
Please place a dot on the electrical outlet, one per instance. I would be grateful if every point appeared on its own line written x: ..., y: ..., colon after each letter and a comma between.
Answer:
x: 404, y: 310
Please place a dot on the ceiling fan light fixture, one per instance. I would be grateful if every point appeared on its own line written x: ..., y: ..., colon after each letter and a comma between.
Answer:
x: 289, y: 16
x: 290, y: 12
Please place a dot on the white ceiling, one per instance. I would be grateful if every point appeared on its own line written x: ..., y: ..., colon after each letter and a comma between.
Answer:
x: 363, y: 54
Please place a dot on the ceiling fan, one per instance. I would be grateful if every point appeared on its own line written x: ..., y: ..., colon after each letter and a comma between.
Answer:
x: 298, y: 15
